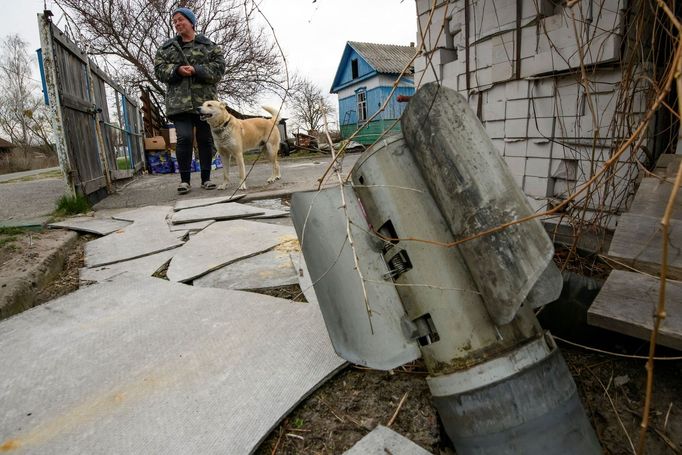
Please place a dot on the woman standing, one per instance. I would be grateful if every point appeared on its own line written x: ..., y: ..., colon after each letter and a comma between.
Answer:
x: 191, y: 65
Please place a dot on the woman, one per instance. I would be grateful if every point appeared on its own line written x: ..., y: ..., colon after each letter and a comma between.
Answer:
x: 191, y: 65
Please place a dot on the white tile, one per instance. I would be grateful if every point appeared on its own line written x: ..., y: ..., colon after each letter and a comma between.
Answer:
x: 517, y: 109
x: 515, y: 148
x: 536, y: 186
x: 537, y: 167
x: 516, y: 128
x: 516, y: 164
x: 539, y: 149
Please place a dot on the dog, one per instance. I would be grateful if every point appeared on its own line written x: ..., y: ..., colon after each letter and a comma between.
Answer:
x: 232, y: 137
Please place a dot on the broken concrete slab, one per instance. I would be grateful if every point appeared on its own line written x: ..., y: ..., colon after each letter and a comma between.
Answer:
x: 223, y: 243
x: 99, y: 226
x: 147, y: 214
x: 147, y: 235
x: 218, y: 212
x: 204, y: 201
x: 146, y: 266
x: 266, y: 270
x: 142, y: 365
x: 383, y: 440
x: 198, y: 226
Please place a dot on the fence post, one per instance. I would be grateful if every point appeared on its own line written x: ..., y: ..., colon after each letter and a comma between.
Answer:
x: 52, y: 84
x: 101, y: 149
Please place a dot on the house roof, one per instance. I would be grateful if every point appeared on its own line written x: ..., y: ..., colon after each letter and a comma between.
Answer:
x: 385, y: 58
x: 5, y: 144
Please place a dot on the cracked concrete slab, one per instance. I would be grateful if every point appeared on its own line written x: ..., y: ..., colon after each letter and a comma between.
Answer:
x: 99, y: 226
x: 198, y: 226
x: 147, y: 214
x: 147, y: 235
x: 224, y: 242
x: 383, y: 440
x: 266, y: 270
x: 143, y: 365
x: 204, y: 201
x: 218, y: 212
x: 225, y: 211
x: 146, y: 266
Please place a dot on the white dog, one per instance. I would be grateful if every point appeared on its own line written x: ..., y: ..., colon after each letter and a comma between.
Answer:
x: 232, y: 137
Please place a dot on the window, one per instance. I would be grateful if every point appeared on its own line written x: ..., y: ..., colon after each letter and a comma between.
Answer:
x: 354, y: 68
x: 362, y: 106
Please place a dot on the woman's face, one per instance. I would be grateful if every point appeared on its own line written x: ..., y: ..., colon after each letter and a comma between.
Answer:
x: 181, y: 24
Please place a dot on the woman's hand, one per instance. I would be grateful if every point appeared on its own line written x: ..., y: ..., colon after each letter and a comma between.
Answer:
x: 186, y: 71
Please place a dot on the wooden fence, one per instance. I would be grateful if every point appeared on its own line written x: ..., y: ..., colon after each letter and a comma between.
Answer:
x: 97, y: 126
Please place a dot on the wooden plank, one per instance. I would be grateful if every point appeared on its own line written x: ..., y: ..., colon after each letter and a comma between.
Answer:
x: 627, y: 302
x: 667, y: 165
x: 652, y: 198
x: 637, y: 242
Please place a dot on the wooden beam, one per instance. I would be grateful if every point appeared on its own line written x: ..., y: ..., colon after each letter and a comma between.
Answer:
x: 626, y: 304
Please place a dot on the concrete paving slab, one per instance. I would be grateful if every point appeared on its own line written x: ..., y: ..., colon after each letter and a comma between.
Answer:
x: 198, y: 226
x: 145, y: 266
x: 147, y: 235
x: 147, y: 214
x: 304, y: 280
x: 267, y: 270
x: 226, y: 211
x: 223, y: 243
x: 204, y: 201
x: 142, y: 365
x: 383, y: 440
x: 99, y: 226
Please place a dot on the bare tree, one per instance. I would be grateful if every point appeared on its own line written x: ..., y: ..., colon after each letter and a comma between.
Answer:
x: 23, y: 116
x: 309, y: 104
x: 132, y: 31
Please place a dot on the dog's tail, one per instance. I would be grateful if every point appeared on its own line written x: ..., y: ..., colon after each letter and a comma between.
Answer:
x: 274, y: 112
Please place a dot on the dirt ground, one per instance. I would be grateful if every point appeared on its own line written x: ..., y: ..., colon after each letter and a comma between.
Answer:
x: 353, y: 402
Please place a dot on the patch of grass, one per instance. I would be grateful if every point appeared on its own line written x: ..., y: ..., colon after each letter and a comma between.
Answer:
x: 122, y: 163
x: 72, y: 205
x: 11, y: 230
x: 8, y: 235
x: 54, y: 174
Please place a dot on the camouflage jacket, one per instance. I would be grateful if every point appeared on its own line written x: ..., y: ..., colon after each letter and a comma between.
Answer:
x: 185, y: 94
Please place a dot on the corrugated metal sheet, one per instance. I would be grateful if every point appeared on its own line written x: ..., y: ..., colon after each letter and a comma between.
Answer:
x: 385, y: 58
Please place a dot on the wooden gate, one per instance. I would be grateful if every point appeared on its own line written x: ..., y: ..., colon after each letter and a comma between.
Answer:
x: 98, y: 128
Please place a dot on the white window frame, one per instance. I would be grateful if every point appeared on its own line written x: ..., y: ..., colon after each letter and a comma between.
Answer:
x: 361, y: 102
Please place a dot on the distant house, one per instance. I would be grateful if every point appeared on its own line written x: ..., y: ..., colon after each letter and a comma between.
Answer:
x: 363, y: 82
x: 5, y: 146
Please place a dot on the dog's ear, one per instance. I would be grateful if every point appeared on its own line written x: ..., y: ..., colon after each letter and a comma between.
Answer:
x: 223, y: 105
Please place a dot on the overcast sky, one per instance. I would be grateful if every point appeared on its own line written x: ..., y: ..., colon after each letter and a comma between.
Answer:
x: 311, y: 34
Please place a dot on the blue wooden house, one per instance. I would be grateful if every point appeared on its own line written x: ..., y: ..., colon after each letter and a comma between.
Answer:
x: 363, y: 82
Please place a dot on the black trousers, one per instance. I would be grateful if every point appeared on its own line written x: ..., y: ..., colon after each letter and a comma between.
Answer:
x: 185, y: 124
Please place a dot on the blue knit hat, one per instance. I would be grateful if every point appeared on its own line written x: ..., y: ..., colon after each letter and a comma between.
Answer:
x: 188, y: 14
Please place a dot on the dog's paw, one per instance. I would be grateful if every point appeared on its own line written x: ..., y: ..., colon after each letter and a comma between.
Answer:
x: 222, y: 186
x: 242, y: 187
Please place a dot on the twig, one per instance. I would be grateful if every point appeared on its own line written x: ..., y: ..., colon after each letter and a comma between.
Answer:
x: 397, y: 410
x: 615, y: 354
x: 627, y: 435
x: 665, y: 222
x: 279, y: 439
x: 295, y: 436
x: 667, y: 414
x: 661, y: 434
x: 331, y: 409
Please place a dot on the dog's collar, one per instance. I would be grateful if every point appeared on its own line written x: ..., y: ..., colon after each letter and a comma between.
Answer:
x: 224, y: 125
